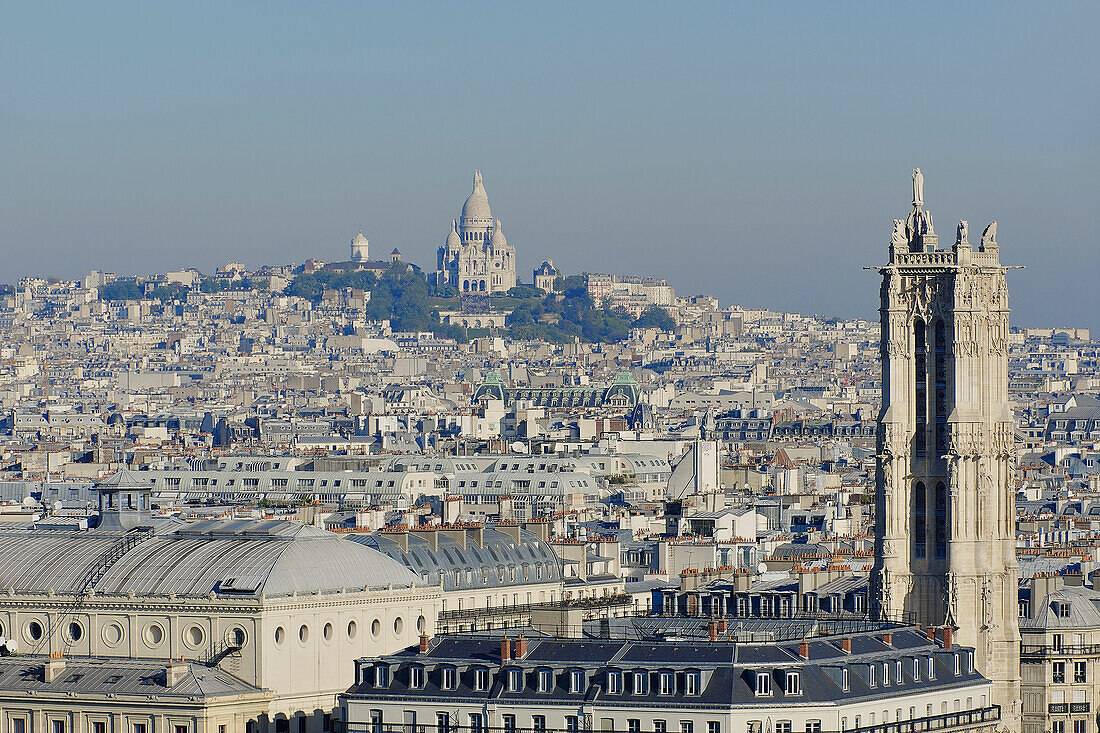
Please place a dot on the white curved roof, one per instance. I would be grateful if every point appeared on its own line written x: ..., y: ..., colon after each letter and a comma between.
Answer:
x: 477, y: 203
x: 498, y: 240
x: 273, y: 558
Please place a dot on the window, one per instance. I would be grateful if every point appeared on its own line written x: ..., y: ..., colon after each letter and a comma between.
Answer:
x: 477, y: 723
x: 546, y: 680
x: 931, y: 668
x: 641, y: 683
x: 450, y: 678
x: 375, y: 721
x: 813, y: 726
x: 633, y: 725
x: 416, y: 677
x: 1079, y: 726
x: 572, y: 724
x: 763, y: 683
x: 754, y: 726
x: 508, y: 723
x: 916, y: 669
x: 691, y: 683
x: 794, y: 686
x: 958, y: 667
x: 844, y: 679
x: 382, y: 675
x: 782, y: 726
x: 515, y: 680
x: 870, y: 675
x: 615, y: 682
x: 139, y: 728
x: 481, y: 679
x: 714, y: 726
x: 665, y: 683
x: 1059, y: 672
x: 1079, y: 672
x: 100, y: 727
x: 576, y: 681
x: 19, y: 725
x: 59, y: 726
x: 1058, y: 726
x: 885, y: 673
x: 183, y: 728
x: 1056, y: 642
x: 538, y: 722
x: 442, y: 723
x: 660, y: 726
x: 686, y: 726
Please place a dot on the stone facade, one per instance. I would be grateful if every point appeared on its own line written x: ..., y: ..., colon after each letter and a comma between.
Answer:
x: 945, y: 514
x: 476, y: 256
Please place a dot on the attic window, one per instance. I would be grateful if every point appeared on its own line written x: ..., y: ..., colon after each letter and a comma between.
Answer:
x: 763, y: 684
x: 113, y: 679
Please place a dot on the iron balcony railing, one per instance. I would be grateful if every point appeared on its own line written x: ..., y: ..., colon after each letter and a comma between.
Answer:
x: 1059, y: 650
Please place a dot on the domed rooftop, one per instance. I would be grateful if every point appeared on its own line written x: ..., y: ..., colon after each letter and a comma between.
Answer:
x: 477, y: 203
x: 249, y: 557
x: 359, y: 239
x: 498, y: 240
x: 453, y: 242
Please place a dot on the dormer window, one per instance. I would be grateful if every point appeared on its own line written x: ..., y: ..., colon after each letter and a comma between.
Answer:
x: 416, y: 677
x: 515, y: 680
x: 481, y: 679
x: 794, y: 683
x: 916, y: 669
x: 970, y: 662
x: 691, y: 683
x: 844, y: 679
x: 614, y: 682
x: 763, y: 684
x: 665, y: 683
x: 576, y: 681
x: 449, y: 678
x: 885, y: 674
x: 957, y: 665
x: 546, y: 680
x: 898, y: 672
x: 931, y: 668
x: 641, y: 683
x: 870, y: 675
x: 381, y: 675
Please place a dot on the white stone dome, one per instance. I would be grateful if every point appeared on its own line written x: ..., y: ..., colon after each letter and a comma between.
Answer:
x: 498, y: 240
x: 477, y: 203
x: 453, y: 241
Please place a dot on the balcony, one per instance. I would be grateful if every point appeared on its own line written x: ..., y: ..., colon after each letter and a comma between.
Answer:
x: 1042, y: 651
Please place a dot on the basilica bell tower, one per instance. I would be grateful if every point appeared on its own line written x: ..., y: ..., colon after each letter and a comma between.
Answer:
x: 945, y: 510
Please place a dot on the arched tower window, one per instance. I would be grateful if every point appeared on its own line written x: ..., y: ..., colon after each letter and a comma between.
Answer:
x: 920, y: 512
x: 920, y: 388
x: 941, y: 520
x: 940, y: 343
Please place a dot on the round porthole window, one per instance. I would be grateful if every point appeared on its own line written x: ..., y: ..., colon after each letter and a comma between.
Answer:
x: 421, y: 624
x: 327, y: 632
x: 194, y: 636
x: 153, y: 635
x: 398, y: 625
x: 303, y: 634
x: 280, y: 636
x: 112, y: 634
x: 75, y: 632
x: 352, y: 628
x: 375, y: 628
x: 34, y: 631
x: 237, y: 636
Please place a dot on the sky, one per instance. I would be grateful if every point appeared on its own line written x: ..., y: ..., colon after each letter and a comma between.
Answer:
x: 755, y: 151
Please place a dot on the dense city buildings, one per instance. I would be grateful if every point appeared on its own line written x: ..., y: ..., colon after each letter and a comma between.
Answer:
x: 353, y: 495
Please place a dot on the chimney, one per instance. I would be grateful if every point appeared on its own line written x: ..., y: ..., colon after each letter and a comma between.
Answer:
x: 888, y: 639
x: 521, y: 647
x: 804, y: 649
x: 712, y: 630
x: 505, y: 649
x: 931, y: 633
x: 424, y: 643
x: 846, y: 645
x: 53, y: 667
x: 947, y: 637
x: 175, y: 672
x: 722, y: 626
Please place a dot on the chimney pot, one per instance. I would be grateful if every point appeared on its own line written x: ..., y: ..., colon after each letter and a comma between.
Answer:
x: 888, y: 639
x: 521, y: 647
x: 505, y: 649
x: 846, y: 645
x: 947, y: 640
x: 804, y: 649
x: 931, y: 633
x: 424, y: 643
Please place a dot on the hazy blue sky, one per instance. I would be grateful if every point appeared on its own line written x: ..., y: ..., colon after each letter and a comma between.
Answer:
x: 755, y: 151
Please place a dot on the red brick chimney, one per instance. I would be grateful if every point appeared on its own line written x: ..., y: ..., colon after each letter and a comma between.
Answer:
x: 804, y: 649
x: 931, y: 633
x: 947, y: 637
x: 505, y: 649
x: 888, y: 639
x: 846, y: 645
x: 424, y: 643
x: 521, y: 647
x: 712, y: 630
x: 721, y: 626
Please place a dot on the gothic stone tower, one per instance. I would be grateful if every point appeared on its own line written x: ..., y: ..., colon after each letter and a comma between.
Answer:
x: 945, y: 506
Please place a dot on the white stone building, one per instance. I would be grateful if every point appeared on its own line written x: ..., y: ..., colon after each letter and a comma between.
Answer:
x: 476, y: 256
